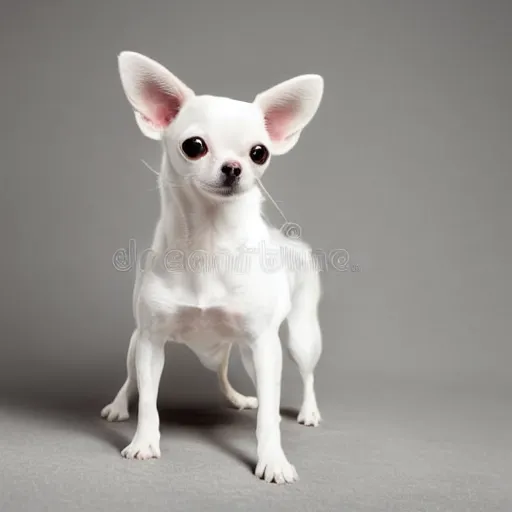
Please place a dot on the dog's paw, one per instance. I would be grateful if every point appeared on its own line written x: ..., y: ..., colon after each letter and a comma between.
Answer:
x: 246, y: 402
x: 275, y: 467
x: 309, y: 415
x: 115, y: 412
x: 142, y: 449
x: 239, y: 401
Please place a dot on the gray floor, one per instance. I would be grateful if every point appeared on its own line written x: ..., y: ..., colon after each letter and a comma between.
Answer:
x: 390, y: 447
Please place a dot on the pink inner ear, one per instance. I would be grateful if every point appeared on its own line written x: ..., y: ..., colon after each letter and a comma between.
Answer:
x: 279, y: 118
x: 162, y: 106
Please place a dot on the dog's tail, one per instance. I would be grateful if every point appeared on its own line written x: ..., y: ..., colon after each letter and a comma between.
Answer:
x: 237, y: 399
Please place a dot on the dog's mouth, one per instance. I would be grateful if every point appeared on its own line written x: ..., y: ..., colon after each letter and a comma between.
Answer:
x: 221, y: 191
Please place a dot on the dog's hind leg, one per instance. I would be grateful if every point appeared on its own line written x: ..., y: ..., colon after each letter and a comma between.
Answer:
x: 305, y: 342
x: 118, y: 409
x: 237, y: 399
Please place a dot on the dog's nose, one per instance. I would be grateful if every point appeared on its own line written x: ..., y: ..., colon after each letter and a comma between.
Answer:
x: 231, y: 171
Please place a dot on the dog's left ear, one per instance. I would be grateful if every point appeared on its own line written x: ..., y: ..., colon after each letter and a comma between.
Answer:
x: 288, y: 107
x: 155, y: 94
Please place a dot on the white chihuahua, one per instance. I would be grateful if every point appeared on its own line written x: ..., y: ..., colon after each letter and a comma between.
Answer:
x: 215, y: 151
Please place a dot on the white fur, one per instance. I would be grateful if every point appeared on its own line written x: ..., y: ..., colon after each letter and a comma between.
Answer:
x: 213, y: 309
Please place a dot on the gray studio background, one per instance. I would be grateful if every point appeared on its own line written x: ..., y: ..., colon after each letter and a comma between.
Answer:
x: 407, y: 166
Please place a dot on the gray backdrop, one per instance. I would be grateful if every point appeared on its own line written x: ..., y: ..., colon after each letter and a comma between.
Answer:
x: 407, y: 166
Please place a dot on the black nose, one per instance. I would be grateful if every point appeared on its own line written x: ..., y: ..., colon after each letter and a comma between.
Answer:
x: 231, y: 171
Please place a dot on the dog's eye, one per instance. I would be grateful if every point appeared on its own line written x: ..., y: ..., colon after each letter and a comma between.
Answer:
x: 259, y: 154
x: 194, y: 148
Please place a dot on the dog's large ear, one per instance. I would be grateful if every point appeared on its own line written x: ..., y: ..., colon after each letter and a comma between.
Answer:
x: 288, y: 107
x: 154, y: 93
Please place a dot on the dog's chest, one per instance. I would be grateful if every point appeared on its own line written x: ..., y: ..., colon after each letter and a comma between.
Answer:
x: 207, y: 331
x: 191, y: 323
x: 195, y: 306
x: 210, y: 317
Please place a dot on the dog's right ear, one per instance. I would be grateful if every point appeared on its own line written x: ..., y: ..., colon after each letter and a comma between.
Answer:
x: 154, y: 93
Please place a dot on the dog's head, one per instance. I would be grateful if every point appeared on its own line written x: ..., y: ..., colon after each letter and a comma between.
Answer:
x: 219, y: 145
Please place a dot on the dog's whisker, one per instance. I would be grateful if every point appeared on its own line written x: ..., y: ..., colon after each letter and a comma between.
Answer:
x: 159, y: 176
x: 267, y: 193
x: 150, y: 168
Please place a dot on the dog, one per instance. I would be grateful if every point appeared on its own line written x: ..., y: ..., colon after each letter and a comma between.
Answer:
x: 214, y: 153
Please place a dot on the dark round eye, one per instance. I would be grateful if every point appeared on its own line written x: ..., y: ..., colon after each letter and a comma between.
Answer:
x: 259, y: 154
x: 194, y: 148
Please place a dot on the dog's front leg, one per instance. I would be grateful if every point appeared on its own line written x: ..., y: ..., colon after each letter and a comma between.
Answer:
x: 149, y: 362
x: 268, y: 360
